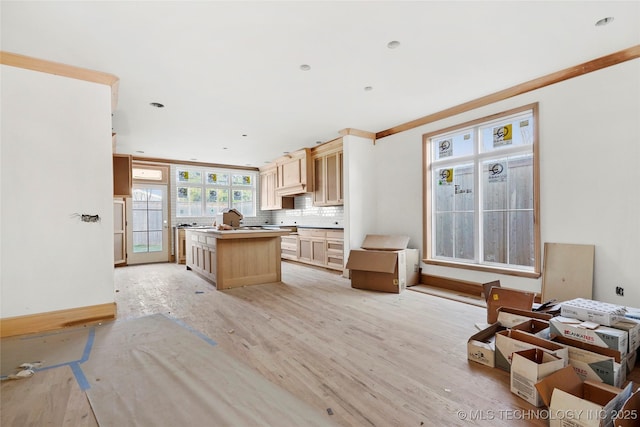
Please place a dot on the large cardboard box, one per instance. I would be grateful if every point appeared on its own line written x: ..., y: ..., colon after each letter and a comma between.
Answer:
x: 509, y: 341
x: 383, y: 263
x: 595, y: 363
x: 591, y: 333
x: 575, y: 403
x: 632, y: 326
x: 589, y: 310
x: 527, y: 368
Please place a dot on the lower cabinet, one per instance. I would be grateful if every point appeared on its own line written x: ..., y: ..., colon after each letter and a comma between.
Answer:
x: 324, y: 248
x: 201, y: 255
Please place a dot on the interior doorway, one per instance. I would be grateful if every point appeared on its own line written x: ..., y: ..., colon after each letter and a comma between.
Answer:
x: 148, y: 216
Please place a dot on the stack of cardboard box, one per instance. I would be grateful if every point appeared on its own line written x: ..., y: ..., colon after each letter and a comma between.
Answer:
x: 568, y: 362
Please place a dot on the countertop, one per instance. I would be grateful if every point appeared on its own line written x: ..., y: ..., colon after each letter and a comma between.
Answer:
x: 238, y: 233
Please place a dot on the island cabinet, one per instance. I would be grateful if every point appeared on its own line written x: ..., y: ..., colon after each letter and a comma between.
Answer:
x: 328, y: 174
x: 289, y: 245
x: 294, y: 173
x: 269, y: 200
x: 233, y: 258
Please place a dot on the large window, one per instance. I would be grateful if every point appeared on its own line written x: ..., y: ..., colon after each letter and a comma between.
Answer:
x: 207, y: 192
x: 481, y: 205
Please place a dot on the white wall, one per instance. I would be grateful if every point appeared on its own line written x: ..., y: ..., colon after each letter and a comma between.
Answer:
x: 360, y: 192
x: 56, y: 162
x: 590, y: 177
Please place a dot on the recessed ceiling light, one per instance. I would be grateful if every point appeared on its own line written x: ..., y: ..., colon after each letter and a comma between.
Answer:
x: 368, y: 88
x: 285, y: 152
x: 393, y: 44
x: 244, y: 134
x: 225, y: 148
x: 318, y: 142
x: 157, y: 105
x: 305, y: 67
x: 140, y: 151
x: 193, y: 159
x: 604, y: 21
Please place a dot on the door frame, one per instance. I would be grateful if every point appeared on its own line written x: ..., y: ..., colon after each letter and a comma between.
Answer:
x: 163, y: 182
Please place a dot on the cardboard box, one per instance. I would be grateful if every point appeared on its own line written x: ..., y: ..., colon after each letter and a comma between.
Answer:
x: 481, y: 346
x: 629, y: 414
x: 591, y: 333
x: 505, y: 297
x: 383, y: 263
x: 593, y: 311
x: 537, y: 327
x: 632, y: 326
x: 572, y: 402
x: 510, y: 317
x: 595, y: 363
x: 631, y: 361
x: 527, y: 368
x: 509, y: 341
x: 230, y: 217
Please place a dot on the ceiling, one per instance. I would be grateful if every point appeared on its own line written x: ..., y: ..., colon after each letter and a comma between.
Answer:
x: 229, y: 73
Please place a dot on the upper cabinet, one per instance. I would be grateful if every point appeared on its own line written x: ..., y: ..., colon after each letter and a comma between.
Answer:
x: 269, y: 200
x: 294, y: 173
x: 122, y: 181
x: 328, y: 174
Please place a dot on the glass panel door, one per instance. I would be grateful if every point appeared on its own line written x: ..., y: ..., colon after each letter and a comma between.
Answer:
x: 149, y: 224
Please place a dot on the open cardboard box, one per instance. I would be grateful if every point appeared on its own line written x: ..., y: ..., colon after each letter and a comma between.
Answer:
x: 527, y: 368
x: 383, y: 263
x: 594, y: 363
x: 629, y: 414
x: 510, y: 317
x: 584, y: 404
x: 481, y: 346
x: 511, y: 340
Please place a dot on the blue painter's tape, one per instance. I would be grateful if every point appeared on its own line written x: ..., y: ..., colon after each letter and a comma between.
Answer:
x: 80, y: 377
x: 88, y: 345
x: 192, y: 330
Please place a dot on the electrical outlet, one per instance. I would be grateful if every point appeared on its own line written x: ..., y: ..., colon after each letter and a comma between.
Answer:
x: 620, y: 291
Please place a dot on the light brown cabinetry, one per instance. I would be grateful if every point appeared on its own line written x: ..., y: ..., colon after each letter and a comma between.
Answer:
x: 328, y: 174
x: 289, y: 247
x: 269, y: 200
x: 321, y: 247
x: 201, y: 254
x: 181, y: 246
x: 294, y: 173
x: 335, y: 249
x: 122, y: 181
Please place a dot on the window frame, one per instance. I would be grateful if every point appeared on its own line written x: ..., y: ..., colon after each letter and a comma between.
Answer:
x: 478, y: 264
x: 205, y: 186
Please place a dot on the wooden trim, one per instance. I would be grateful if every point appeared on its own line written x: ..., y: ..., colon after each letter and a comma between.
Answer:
x: 358, y: 132
x: 64, y: 70
x: 475, y: 267
x: 459, y: 286
x: 531, y: 85
x: 41, y: 322
x: 192, y: 163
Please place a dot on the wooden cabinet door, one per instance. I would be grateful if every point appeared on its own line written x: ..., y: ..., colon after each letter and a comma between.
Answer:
x: 119, y: 233
x: 334, y: 179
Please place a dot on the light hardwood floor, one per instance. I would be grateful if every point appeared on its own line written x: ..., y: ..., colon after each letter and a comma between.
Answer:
x: 369, y: 358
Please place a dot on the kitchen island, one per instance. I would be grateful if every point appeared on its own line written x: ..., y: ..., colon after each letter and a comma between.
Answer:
x: 234, y: 258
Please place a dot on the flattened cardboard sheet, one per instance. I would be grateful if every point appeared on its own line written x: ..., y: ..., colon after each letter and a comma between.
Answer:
x: 385, y: 242
x: 506, y: 297
x: 568, y: 271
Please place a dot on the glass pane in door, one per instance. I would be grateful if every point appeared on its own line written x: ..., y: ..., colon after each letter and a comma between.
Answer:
x: 147, y: 220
